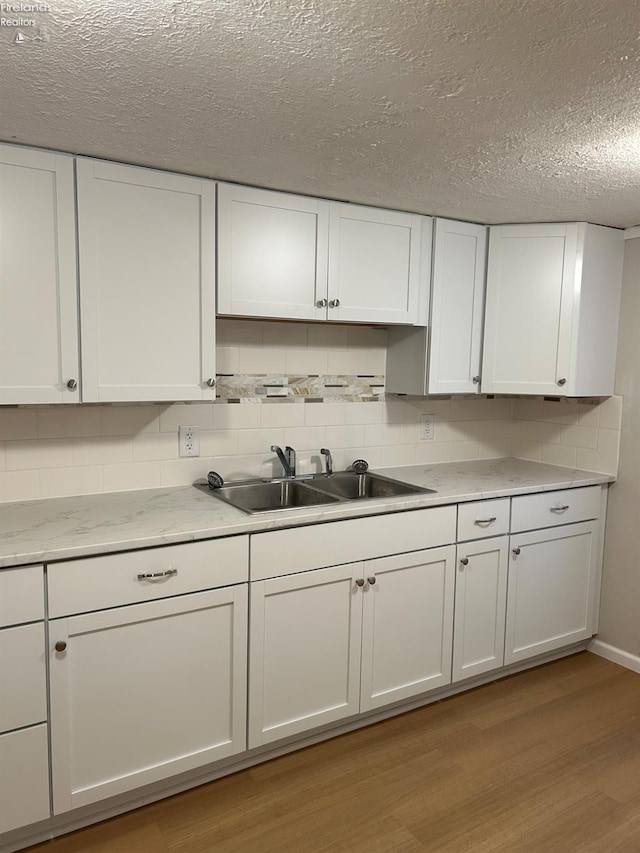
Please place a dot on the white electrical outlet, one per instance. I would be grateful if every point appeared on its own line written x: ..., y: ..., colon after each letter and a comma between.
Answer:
x: 427, y: 427
x: 189, y: 440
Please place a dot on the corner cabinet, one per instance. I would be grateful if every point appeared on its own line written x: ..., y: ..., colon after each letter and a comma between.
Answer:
x: 553, y: 303
x: 301, y: 258
x: 147, y: 283
x: 39, y: 360
x: 445, y: 357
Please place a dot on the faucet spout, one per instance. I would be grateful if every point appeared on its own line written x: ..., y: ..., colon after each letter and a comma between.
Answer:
x: 285, y: 460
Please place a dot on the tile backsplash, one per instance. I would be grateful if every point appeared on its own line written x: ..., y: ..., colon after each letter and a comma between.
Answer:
x: 333, y: 377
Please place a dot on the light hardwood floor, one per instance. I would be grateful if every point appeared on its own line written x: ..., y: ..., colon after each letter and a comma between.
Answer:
x: 543, y: 761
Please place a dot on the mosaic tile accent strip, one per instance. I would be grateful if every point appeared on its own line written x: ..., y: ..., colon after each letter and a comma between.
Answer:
x: 294, y: 388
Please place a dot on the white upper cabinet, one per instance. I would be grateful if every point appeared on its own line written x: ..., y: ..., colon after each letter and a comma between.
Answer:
x: 553, y: 300
x: 147, y: 283
x: 445, y: 358
x: 301, y: 258
x: 375, y: 265
x: 272, y: 254
x: 38, y: 278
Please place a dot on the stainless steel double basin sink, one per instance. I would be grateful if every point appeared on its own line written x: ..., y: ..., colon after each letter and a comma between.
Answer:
x: 255, y: 496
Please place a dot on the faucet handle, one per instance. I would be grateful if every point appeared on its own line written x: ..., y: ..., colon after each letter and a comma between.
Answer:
x: 360, y: 466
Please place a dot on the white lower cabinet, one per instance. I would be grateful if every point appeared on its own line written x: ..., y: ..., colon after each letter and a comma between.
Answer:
x: 24, y: 777
x: 481, y: 600
x: 142, y: 692
x: 551, y: 597
x: 329, y: 643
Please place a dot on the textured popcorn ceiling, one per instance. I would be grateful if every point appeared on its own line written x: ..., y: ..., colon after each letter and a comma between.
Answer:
x: 488, y: 110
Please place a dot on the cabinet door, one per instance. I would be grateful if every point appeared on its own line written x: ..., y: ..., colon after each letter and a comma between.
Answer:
x: 24, y: 778
x: 480, y: 610
x: 457, y: 307
x: 375, y: 265
x: 147, y: 283
x: 407, y: 625
x: 305, y: 651
x: 146, y: 691
x: 272, y: 254
x: 550, y: 596
x: 38, y: 278
x: 23, y: 697
x: 530, y: 294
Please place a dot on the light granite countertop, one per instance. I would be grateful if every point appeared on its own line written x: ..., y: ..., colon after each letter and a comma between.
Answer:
x: 60, y: 528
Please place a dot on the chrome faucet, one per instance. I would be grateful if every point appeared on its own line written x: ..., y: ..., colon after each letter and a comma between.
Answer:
x: 328, y: 461
x: 287, y: 459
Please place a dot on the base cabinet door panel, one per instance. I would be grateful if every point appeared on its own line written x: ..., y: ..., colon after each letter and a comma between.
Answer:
x: 480, y: 608
x: 143, y: 692
x: 550, y: 596
x: 24, y: 777
x: 305, y: 651
x: 407, y: 625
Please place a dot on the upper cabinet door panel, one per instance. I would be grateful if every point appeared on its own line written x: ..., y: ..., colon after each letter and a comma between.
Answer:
x: 38, y: 278
x: 374, y: 265
x: 147, y: 283
x: 530, y: 281
x: 272, y: 254
x: 457, y: 307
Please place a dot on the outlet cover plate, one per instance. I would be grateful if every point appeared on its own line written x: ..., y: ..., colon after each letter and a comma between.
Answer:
x: 427, y: 427
x: 189, y: 440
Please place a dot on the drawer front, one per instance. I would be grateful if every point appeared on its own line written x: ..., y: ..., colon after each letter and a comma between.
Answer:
x: 549, y: 509
x: 483, y: 518
x: 24, y: 780
x: 110, y: 581
x: 284, y: 552
x: 23, y: 699
x: 21, y: 595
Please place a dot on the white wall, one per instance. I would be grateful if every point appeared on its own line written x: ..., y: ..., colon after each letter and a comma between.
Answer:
x: 620, y: 603
x: 61, y: 450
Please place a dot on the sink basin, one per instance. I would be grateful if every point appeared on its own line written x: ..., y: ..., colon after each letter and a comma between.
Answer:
x: 351, y: 486
x: 258, y: 496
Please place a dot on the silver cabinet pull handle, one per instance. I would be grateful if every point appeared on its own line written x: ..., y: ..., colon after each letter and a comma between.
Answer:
x: 371, y: 580
x: 562, y: 381
x: 321, y: 303
x: 72, y: 384
x: 476, y: 380
x: 211, y: 383
x: 465, y: 561
x: 559, y: 508
x: 485, y: 520
x: 360, y: 582
x: 152, y: 576
x: 516, y: 551
x: 334, y: 303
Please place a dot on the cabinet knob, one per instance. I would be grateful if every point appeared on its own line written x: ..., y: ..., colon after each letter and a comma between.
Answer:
x: 464, y: 561
x: 334, y: 303
x: 60, y: 646
x: 476, y: 380
x: 321, y: 303
x: 562, y: 381
x: 516, y: 551
x: 360, y: 582
x: 211, y: 383
x: 371, y: 580
x: 72, y: 384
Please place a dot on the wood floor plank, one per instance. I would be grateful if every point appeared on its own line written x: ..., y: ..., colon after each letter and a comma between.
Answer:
x: 547, y: 760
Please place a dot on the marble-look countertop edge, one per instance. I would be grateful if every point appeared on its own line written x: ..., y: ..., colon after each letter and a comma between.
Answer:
x: 231, y: 522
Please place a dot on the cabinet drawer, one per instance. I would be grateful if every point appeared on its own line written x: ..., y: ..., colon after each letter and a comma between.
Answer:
x: 23, y: 699
x: 24, y: 780
x: 21, y: 595
x: 283, y: 552
x: 548, y: 509
x: 100, y: 582
x: 483, y: 518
